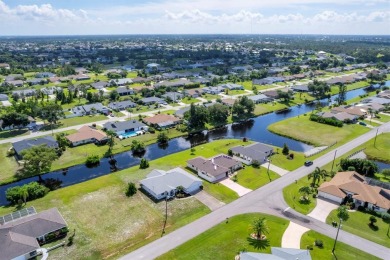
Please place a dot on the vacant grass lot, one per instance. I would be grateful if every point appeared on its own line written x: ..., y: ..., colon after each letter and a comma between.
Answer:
x: 343, y: 251
x: 81, y: 120
x: 281, y: 160
x: 8, y: 164
x: 381, y: 150
x: 383, y: 118
x: 225, y: 240
x: 358, y: 224
x: 301, y: 128
x: 253, y: 178
x: 190, y: 100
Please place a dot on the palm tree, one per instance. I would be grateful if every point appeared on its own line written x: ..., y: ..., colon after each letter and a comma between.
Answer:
x: 317, y: 175
x: 343, y: 215
x: 24, y: 194
x: 111, y: 141
x: 371, y: 112
x: 260, y: 227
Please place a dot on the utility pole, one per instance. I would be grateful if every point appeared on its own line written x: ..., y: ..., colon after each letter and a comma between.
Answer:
x: 269, y: 164
x: 334, y: 158
x: 376, y: 136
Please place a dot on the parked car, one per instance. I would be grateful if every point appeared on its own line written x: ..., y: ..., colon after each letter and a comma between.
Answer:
x: 308, y: 163
x: 362, y: 123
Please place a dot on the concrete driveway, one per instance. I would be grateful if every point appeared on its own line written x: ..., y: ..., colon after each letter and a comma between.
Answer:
x: 322, y: 210
x: 275, y: 168
x: 292, y: 236
x: 241, y: 191
x: 208, y: 200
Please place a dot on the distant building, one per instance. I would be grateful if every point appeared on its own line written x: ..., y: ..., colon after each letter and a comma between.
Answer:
x: 277, y: 253
x: 86, y: 135
x: 162, y: 121
x: 125, y: 126
x: 121, y: 105
x: 23, y: 145
x: 254, y: 152
x: 90, y: 109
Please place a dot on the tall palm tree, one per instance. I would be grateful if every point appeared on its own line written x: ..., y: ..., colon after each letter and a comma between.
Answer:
x: 111, y: 141
x: 371, y: 112
x: 24, y: 194
x: 317, y: 175
x: 259, y: 226
x: 343, y: 215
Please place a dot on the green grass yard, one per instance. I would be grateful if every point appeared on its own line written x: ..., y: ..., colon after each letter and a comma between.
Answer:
x: 227, y: 239
x: 253, y: 178
x: 13, y: 133
x: 8, y: 164
x: 358, y: 224
x: 80, y: 120
x: 190, y: 100
x: 343, y: 251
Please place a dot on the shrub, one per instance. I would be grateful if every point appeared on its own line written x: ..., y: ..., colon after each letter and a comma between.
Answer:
x: 144, y: 164
x: 152, y: 130
x: 319, y: 243
x: 362, y: 166
x: 92, y: 160
x: 34, y: 191
x: 10, y: 152
x: 373, y: 220
x: 285, y: 150
x: 230, y: 152
x: 131, y: 189
x: 162, y: 138
x: 256, y: 163
x: 361, y: 208
x: 328, y: 121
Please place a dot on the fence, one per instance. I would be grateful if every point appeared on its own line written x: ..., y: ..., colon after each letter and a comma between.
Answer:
x: 356, y: 152
x: 306, y: 156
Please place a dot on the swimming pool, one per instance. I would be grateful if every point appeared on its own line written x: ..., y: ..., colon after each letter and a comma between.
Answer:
x: 128, y: 134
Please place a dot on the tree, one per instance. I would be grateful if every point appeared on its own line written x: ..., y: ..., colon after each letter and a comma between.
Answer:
x: 52, y: 112
x: 14, y: 119
x: 371, y: 112
x: 137, y: 146
x: 111, y: 141
x: 342, y: 94
x: 243, y: 109
x: 62, y: 141
x: 285, y: 150
x: 144, y: 164
x: 373, y: 220
x: 114, y: 95
x: 162, y: 138
x: 305, y: 191
x: 362, y: 166
x: 38, y: 159
x: 131, y: 189
x: 294, y: 69
x: 318, y: 88
x: 317, y: 175
x: 218, y: 114
x: 197, y: 118
x: 343, y: 215
x: 285, y: 95
x: 260, y: 227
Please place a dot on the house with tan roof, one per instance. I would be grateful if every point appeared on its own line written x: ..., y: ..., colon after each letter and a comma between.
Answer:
x: 353, y: 185
x: 352, y: 110
x: 162, y: 121
x: 214, y: 169
x: 87, y: 135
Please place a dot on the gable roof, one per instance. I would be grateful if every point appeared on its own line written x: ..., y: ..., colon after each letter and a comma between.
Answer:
x: 86, y: 132
x: 215, y: 166
x: 161, y: 118
x: 278, y: 253
x: 26, y: 144
x: 123, y: 125
x: 160, y: 181
x: 256, y: 151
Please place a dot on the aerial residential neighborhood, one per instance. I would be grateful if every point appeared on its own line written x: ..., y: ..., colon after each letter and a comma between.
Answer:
x: 206, y: 130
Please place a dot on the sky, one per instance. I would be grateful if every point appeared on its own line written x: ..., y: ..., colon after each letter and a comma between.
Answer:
x: 91, y: 17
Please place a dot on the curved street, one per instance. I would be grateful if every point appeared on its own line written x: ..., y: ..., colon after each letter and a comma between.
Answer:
x: 268, y: 199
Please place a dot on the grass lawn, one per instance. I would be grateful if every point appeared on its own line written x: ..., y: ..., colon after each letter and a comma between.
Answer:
x: 381, y: 150
x: 81, y: 120
x: 236, y: 92
x: 292, y: 196
x: 13, y: 133
x: 227, y: 239
x: 281, y: 160
x: 358, y: 224
x: 383, y: 118
x: 190, y: 101
x: 343, y: 251
x: 301, y: 128
x: 8, y: 164
x: 253, y: 178
x: 168, y: 112
x: 261, y: 109
x: 210, y: 96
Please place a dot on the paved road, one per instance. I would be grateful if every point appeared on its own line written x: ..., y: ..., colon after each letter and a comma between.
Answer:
x: 267, y: 199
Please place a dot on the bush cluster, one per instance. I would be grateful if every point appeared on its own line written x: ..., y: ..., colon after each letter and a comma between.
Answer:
x: 33, y: 190
x: 328, y: 121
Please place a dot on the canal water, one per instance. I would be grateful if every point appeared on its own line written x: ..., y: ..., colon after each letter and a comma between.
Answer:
x: 255, y: 130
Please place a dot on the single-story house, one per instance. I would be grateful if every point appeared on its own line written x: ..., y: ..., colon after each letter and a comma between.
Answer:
x: 24, y: 92
x: 13, y: 77
x: 90, y: 109
x: 232, y: 86
x: 51, y: 90
x: 174, y: 96
x: 163, y: 184
x: 125, y: 126
x: 176, y: 83
x: 300, y: 88
x: 213, y: 90
x: 366, y: 107
x: 5, y: 66
x: 16, y: 83
x: 121, y: 82
x: 352, y: 110
x: 354, y: 186
x: 21, y: 238
x: 153, y: 100
x: 261, y: 98
x: 86, y: 135
x: 3, y: 97
x: 384, y: 94
x: 162, y: 121
x: 138, y: 89
x: 196, y: 92
x: 122, y: 105
x: 277, y: 253
x: 37, y: 81
x: 267, y: 81
x: 100, y: 84
x: 342, y: 116
x: 180, y: 113
x: 20, y: 146
x: 271, y: 94
x: 45, y: 75
x: 214, y: 169
x: 81, y: 77
x: 125, y: 91
x: 254, y: 152
x: 379, y: 100
x: 228, y: 101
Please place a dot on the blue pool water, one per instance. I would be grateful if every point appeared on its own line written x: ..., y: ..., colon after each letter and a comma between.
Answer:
x: 129, y: 134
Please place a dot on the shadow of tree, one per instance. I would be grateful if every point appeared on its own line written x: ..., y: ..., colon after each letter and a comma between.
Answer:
x: 258, y: 244
x: 373, y: 227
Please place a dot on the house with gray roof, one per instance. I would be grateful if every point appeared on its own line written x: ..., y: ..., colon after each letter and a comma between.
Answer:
x: 20, y: 146
x: 125, y: 91
x: 261, y: 98
x: 3, y: 97
x: 163, y: 184
x: 278, y: 253
x: 180, y: 113
x: 24, y: 92
x: 45, y: 75
x: 232, y: 86
x: 300, y: 88
x: 100, y: 84
x: 123, y: 127
x: 174, y: 96
x: 16, y: 83
x: 51, y: 90
x: 121, y: 82
x: 90, y: 109
x: 254, y: 152
x: 214, y: 169
x: 153, y: 100
x: 122, y: 105
x: 21, y: 238
x: 213, y: 90
x: 33, y: 82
